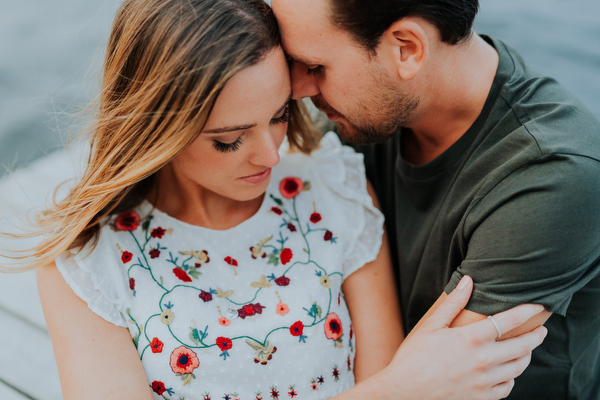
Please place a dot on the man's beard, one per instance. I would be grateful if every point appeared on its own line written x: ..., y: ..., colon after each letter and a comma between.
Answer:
x: 377, y: 117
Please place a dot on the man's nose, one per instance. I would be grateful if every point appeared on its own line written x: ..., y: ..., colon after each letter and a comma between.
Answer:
x: 303, y: 84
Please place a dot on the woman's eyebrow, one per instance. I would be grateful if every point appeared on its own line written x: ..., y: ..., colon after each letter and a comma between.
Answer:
x: 249, y: 126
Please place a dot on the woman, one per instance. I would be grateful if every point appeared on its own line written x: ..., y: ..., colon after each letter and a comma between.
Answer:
x: 187, y: 263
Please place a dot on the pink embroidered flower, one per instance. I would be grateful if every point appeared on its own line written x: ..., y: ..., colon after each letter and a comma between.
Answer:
x: 333, y: 327
x: 131, y: 283
x: 126, y: 257
x: 297, y: 328
x: 231, y: 261
x: 181, y: 274
x: 328, y: 235
x: 315, y: 217
x: 276, y: 210
x: 290, y: 187
x: 205, y: 296
x: 286, y: 256
x: 224, y: 321
x: 282, y: 281
x: 292, y: 393
x: 158, y: 233
x: 156, y: 345
x: 158, y: 387
x: 154, y: 253
x: 224, y: 343
x: 291, y: 227
x: 184, y: 360
x: 127, y: 221
x: 282, y: 309
x: 314, y: 386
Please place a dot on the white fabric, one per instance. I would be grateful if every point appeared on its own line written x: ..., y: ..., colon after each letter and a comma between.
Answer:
x: 144, y: 293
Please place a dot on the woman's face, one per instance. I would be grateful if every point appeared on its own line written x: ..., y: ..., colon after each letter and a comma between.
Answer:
x: 233, y: 156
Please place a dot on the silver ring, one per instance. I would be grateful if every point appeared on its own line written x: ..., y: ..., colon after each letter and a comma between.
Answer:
x: 496, y: 325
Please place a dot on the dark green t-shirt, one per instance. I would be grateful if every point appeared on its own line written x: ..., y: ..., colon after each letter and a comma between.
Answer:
x: 515, y: 204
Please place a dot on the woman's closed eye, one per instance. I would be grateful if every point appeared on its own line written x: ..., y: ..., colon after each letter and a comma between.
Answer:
x: 284, y: 116
x: 227, y: 147
x: 314, y: 71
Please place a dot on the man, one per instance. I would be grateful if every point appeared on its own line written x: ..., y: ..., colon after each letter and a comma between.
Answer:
x: 482, y: 167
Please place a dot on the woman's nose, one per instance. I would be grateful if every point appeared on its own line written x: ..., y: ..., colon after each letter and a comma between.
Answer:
x: 266, y: 151
x: 303, y: 84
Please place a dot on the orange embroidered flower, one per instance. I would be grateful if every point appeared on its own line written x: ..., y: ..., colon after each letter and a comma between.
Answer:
x: 290, y: 187
x: 282, y: 309
x: 184, y: 360
x: 156, y: 345
x: 127, y: 221
x: 333, y: 327
x: 224, y: 321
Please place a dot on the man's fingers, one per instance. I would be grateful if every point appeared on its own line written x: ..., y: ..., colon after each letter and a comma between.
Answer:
x: 452, y: 305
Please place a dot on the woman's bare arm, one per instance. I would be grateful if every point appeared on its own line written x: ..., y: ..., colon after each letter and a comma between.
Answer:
x: 95, y: 359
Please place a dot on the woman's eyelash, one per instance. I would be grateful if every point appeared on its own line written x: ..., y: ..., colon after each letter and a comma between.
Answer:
x: 227, y: 147
x: 284, y: 118
x: 315, y: 70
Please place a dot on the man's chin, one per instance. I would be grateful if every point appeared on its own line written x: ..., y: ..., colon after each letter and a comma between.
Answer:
x: 352, y: 134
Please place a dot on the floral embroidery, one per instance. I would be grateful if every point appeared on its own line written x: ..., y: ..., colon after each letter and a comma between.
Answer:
x: 181, y: 274
x: 292, y: 392
x: 183, y: 362
x: 335, y: 373
x: 156, y: 345
x: 154, y: 253
x: 262, y: 353
x: 158, y: 233
x: 127, y: 221
x: 231, y: 261
x: 224, y: 321
x: 291, y: 187
x: 205, y: 296
x: 282, y: 309
x: 286, y: 256
x: 274, y: 392
x: 325, y: 281
x: 126, y: 257
x: 276, y: 210
x: 315, y: 217
x: 166, y: 317
x: 224, y: 344
x: 282, y: 281
x: 131, y: 283
x: 291, y: 227
x: 159, y: 388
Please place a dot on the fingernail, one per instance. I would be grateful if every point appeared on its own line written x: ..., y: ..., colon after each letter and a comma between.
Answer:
x: 463, y: 283
x: 545, y: 330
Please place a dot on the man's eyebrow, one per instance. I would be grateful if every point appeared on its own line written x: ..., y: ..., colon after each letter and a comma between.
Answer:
x: 303, y: 60
x: 249, y: 126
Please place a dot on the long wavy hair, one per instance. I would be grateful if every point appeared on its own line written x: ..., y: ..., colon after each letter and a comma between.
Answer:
x: 166, y: 63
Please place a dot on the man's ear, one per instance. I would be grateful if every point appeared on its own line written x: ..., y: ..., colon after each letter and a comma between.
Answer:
x: 406, y: 46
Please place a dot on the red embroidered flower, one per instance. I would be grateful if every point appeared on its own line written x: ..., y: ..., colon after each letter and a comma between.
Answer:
x: 276, y: 210
x: 127, y: 221
x: 274, y: 393
x: 314, y: 386
x: 158, y: 233
x: 282, y: 281
x: 292, y: 393
x: 154, y: 253
x: 126, y: 257
x: 249, y: 310
x: 351, y: 332
x: 291, y: 227
x: 181, y: 274
x: 224, y: 343
x: 286, y: 256
x: 328, y: 235
x: 290, y: 187
x: 349, y: 363
x: 315, y: 217
x: 205, y: 296
x: 297, y: 328
x: 336, y: 374
x: 131, y: 283
x: 333, y: 327
x: 184, y: 360
x: 231, y: 261
x: 156, y: 345
x: 158, y: 387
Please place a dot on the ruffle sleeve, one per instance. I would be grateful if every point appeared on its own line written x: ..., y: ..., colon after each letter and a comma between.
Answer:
x: 343, y: 171
x: 97, y: 280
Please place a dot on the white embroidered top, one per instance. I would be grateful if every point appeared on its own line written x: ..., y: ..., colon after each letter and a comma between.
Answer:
x: 252, y: 312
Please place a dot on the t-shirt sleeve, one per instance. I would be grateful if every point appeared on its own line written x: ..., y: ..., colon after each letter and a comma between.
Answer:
x: 363, y: 222
x: 96, y: 279
x: 534, y: 237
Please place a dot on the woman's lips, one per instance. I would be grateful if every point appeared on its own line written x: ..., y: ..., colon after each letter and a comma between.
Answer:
x: 258, y: 178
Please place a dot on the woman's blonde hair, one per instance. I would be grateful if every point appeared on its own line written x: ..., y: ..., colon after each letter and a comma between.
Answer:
x: 165, y: 65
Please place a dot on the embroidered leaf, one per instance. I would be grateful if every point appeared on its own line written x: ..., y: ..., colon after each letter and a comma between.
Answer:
x: 316, y: 310
x: 276, y: 200
x: 136, y: 340
x: 254, y: 345
x: 160, y: 278
x: 195, y: 336
x: 307, y: 186
x: 222, y: 294
x: 273, y: 259
x: 262, y: 283
x: 146, y: 224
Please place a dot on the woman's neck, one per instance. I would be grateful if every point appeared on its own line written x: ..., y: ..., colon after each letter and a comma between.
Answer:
x: 195, y: 205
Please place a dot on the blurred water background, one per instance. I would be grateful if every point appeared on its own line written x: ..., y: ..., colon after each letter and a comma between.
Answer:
x: 51, y: 52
